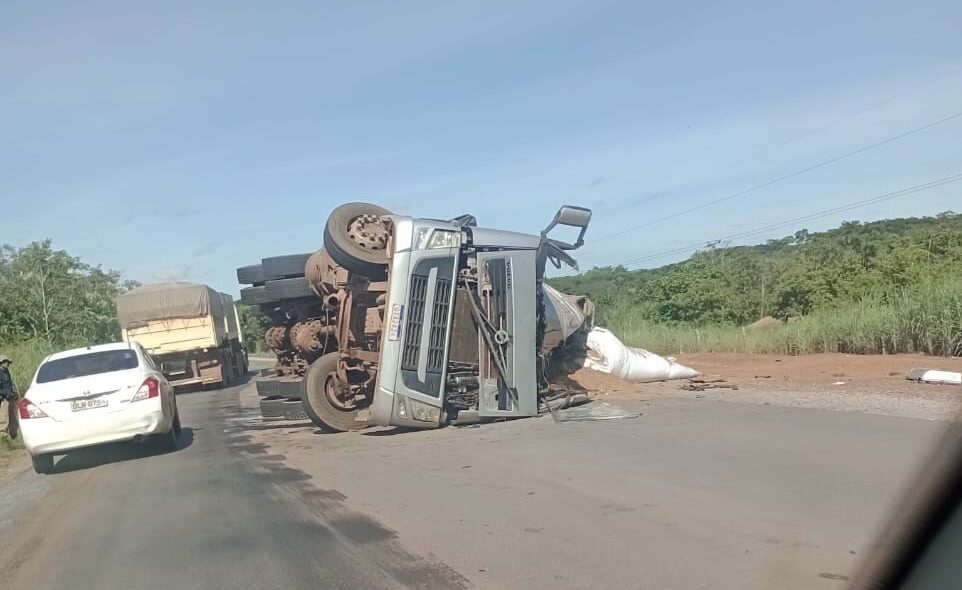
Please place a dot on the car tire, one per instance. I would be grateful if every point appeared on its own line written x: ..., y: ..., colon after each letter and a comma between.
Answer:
x: 266, y: 387
x: 293, y: 288
x: 165, y: 442
x: 365, y: 256
x: 272, y: 406
x: 42, y: 464
x: 283, y: 267
x: 176, y: 427
x: 255, y: 296
x: 250, y: 275
x: 294, y: 409
x: 322, y: 375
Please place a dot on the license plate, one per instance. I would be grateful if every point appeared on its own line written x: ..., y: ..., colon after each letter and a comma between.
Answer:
x: 87, y: 404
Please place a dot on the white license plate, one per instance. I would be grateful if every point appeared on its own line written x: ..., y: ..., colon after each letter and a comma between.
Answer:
x: 87, y: 404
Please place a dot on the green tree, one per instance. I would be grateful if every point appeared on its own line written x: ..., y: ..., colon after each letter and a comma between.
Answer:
x: 49, y: 295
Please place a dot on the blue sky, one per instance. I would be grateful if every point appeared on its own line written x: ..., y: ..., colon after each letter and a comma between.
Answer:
x: 183, y: 139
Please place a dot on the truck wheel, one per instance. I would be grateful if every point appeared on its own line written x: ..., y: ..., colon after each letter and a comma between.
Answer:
x: 357, y: 240
x: 272, y: 406
x: 294, y: 409
x: 255, y: 296
x: 250, y: 275
x: 42, y: 464
x: 323, y: 396
x: 282, y: 267
x: 291, y: 388
x: 293, y: 288
x: 266, y: 387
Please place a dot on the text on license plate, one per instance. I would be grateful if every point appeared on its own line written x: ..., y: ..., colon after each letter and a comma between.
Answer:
x: 87, y: 404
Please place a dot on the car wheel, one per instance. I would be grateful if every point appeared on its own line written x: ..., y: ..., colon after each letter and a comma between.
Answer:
x: 165, y: 442
x: 324, y: 399
x: 42, y: 464
x: 357, y: 240
x: 293, y: 288
x: 282, y: 267
x: 177, y: 429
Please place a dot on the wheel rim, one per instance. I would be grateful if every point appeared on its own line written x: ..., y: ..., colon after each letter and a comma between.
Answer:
x: 368, y: 233
x: 339, y: 396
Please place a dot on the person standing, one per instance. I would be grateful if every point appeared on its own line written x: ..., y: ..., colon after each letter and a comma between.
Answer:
x: 8, y: 393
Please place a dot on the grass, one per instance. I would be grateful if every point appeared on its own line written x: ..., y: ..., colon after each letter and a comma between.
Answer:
x: 26, y: 358
x: 925, y: 319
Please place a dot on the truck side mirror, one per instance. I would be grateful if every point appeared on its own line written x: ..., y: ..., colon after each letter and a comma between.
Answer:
x: 572, y: 216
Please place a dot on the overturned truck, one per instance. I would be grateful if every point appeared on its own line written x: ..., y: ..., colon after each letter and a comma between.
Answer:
x: 422, y: 322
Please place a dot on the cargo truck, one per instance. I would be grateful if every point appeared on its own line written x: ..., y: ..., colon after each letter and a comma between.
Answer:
x: 191, y: 331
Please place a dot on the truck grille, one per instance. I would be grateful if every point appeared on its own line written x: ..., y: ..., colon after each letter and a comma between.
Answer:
x: 412, y: 332
x: 439, y: 321
x: 415, y: 322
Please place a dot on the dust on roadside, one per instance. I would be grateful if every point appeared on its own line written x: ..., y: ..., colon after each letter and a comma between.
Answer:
x: 874, y: 384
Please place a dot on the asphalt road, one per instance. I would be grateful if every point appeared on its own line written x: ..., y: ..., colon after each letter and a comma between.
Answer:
x: 692, y: 494
x: 205, y: 516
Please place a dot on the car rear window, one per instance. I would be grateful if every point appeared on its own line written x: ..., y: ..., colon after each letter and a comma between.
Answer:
x: 82, y: 365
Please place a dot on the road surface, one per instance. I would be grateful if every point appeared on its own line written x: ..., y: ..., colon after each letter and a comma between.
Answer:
x: 691, y: 494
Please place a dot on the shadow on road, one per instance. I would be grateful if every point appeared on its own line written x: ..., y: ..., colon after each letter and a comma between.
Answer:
x: 198, y: 388
x: 118, y: 453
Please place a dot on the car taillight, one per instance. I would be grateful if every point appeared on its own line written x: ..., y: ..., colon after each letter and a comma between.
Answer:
x: 28, y: 410
x: 149, y: 389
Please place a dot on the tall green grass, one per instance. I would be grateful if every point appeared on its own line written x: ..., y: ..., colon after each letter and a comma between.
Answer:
x: 26, y: 356
x: 925, y: 319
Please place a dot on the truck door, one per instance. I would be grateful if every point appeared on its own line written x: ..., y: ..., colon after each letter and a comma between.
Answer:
x: 508, y: 369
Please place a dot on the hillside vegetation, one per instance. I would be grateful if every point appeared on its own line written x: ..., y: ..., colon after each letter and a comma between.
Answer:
x: 882, y: 287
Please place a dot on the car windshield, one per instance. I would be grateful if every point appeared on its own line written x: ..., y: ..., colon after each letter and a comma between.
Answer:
x: 93, y: 363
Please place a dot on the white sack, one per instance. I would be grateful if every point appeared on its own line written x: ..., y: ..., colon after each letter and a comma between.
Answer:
x: 934, y: 376
x: 609, y: 355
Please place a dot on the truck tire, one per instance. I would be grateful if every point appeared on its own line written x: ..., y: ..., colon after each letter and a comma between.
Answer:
x: 356, y: 240
x: 255, y: 295
x: 272, y: 407
x: 250, y: 275
x: 320, y: 384
x: 293, y: 288
x: 283, y: 267
x: 267, y: 387
x: 291, y: 388
x: 294, y: 409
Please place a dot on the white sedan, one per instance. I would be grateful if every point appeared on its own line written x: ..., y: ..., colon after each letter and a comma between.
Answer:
x: 100, y: 394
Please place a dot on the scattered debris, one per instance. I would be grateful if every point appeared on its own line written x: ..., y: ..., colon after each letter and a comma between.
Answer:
x: 840, y: 383
x: 593, y: 412
x: 703, y: 384
x: 935, y: 376
x: 831, y: 576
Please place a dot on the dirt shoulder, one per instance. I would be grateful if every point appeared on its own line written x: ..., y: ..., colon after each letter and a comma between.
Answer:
x: 864, y: 383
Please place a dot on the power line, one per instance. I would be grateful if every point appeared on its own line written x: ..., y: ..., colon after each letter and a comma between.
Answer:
x: 816, y: 215
x: 784, y: 177
x: 806, y: 134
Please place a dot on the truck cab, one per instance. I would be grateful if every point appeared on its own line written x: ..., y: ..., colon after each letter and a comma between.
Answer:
x: 464, y: 323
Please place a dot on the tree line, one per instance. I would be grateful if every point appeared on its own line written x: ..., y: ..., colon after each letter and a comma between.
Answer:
x: 785, y: 278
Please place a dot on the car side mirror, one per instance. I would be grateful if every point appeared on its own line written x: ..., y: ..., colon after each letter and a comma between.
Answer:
x: 572, y: 216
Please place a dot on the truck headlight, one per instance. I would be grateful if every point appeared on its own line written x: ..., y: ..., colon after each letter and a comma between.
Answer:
x: 429, y: 239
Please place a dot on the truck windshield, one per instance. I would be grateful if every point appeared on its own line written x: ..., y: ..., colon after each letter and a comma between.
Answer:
x: 82, y: 365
